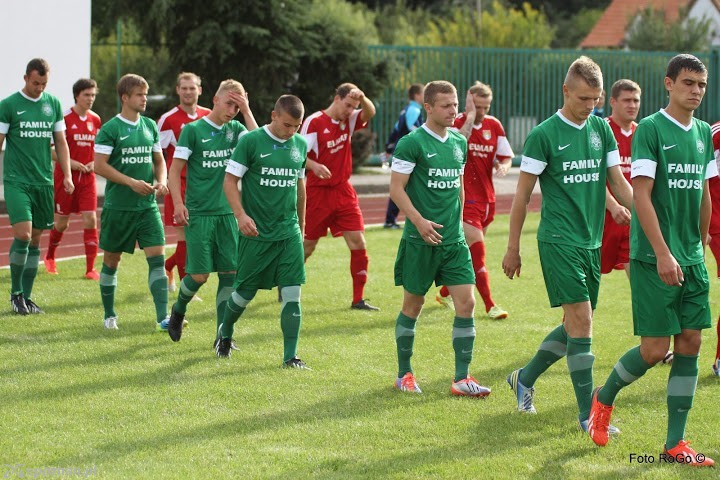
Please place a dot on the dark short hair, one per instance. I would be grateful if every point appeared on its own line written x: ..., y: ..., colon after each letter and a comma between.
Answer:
x: 432, y: 89
x: 623, y: 85
x: 414, y: 89
x: 684, y: 61
x: 39, y: 65
x: 128, y: 82
x: 83, y: 84
x: 291, y: 105
x: 344, y: 88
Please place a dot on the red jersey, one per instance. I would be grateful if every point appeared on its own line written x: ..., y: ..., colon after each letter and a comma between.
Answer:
x: 329, y: 144
x: 487, y: 141
x: 80, y: 134
x: 624, y: 141
x: 170, y: 125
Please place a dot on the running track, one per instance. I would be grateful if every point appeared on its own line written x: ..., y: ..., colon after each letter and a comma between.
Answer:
x: 372, y: 206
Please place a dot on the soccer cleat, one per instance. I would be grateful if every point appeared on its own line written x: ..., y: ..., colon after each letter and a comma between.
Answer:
x: 171, y: 280
x: 393, y: 226
x: 523, y: 394
x: 497, y: 313
x: 32, y: 307
x: 716, y: 367
x: 18, y: 304
x: 363, y: 305
x: 295, y: 362
x: 111, y: 323
x: 50, y: 266
x: 683, y: 453
x: 92, y: 275
x: 612, y: 429
x: 446, y: 302
x: 175, y: 325
x: 407, y: 383
x: 599, y: 420
x: 162, y: 325
x: 223, y: 348
x: 469, y: 387
x: 233, y: 346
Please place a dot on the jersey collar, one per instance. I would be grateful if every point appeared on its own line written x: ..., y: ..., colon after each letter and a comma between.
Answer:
x: 35, y: 100
x: 433, y: 134
x: 134, y: 124
x: 572, y: 124
x: 667, y: 115
x: 219, y: 127
x: 267, y: 130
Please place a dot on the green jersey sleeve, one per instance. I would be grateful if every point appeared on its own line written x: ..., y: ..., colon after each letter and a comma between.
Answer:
x: 536, y: 152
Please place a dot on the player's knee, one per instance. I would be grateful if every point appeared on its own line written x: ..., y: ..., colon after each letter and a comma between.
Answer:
x: 200, y: 278
x: 290, y: 294
x: 464, y: 306
x: 309, y: 248
x: 687, y: 343
x: 89, y: 221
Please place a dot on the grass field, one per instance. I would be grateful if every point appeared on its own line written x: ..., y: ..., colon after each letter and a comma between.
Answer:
x: 132, y: 404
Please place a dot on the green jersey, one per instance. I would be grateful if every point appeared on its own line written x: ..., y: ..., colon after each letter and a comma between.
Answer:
x: 130, y: 147
x: 571, y: 162
x: 270, y: 169
x: 435, y: 165
x: 28, y: 125
x: 207, y: 147
x: 680, y: 158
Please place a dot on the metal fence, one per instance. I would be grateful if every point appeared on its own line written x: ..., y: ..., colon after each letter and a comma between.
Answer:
x: 527, y: 84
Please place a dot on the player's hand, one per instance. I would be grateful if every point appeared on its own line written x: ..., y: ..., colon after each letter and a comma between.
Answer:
x: 242, y: 101
x: 90, y: 167
x: 501, y: 168
x: 77, y: 166
x: 247, y: 226
x: 707, y: 240
x: 669, y: 271
x: 161, y: 189
x: 141, y: 187
x: 426, y: 229
x: 181, y: 216
x: 68, y: 185
x: 621, y: 215
x: 469, y: 104
x: 321, y: 171
x: 356, y: 94
x: 511, y: 263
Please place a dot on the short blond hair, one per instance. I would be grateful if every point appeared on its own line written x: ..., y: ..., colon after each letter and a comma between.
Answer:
x: 586, y: 69
x: 481, y: 90
x: 188, y: 76
x: 230, y: 85
x: 129, y: 82
x: 434, y: 88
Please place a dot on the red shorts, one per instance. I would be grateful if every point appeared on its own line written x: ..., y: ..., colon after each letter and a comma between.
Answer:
x: 83, y: 199
x: 336, y: 208
x: 615, y: 250
x: 714, y: 186
x: 169, y: 212
x: 479, y: 214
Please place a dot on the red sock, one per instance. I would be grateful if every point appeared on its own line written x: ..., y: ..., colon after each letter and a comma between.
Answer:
x: 170, y: 262
x: 55, y: 239
x: 715, y: 249
x: 444, y: 292
x: 717, y: 353
x: 90, y: 239
x: 180, y: 253
x: 482, y: 279
x: 359, y: 271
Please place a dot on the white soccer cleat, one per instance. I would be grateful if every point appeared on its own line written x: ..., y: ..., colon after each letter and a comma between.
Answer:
x: 469, y: 387
x: 111, y: 323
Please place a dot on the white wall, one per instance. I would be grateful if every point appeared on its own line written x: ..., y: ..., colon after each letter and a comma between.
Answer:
x: 706, y: 8
x: 56, y: 30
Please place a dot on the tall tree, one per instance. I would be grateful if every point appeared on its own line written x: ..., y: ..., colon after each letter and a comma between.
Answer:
x: 651, y: 31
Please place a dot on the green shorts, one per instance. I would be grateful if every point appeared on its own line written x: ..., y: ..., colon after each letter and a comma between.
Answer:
x: 572, y: 274
x: 660, y: 310
x: 212, y: 243
x: 27, y: 203
x: 265, y: 265
x: 120, y: 229
x: 417, y: 266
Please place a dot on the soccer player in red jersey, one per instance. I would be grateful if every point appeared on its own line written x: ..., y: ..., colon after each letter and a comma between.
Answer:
x: 714, y: 185
x: 188, y: 89
x: 625, y: 104
x: 488, y: 150
x: 82, y: 124
x: 332, y: 202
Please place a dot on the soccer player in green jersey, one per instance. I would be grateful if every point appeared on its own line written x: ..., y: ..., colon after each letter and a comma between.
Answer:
x: 31, y: 119
x: 129, y: 156
x: 672, y: 159
x: 270, y: 213
x: 572, y: 153
x: 211, y: 231
x: 427, y: 184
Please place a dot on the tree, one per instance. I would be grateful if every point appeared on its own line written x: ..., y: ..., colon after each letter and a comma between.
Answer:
x: 651, y: 31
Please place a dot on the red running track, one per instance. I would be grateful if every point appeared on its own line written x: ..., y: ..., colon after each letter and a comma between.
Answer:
x: 373, y: 208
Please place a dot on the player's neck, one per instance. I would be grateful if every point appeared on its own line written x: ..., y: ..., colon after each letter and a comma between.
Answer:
x: 216, y: 118
x: 330, y: 112
x: 130, y: 114
x: 623, y: 125
x: 80, y: 110
x: 27, y: 94
x: 478, y: 121
x: 189, y: 109
x: 680, y: 114
x: 439, y: 130
x: 567, y: 113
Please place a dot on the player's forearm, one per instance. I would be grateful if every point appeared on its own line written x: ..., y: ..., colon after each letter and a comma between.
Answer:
x: 110, y: 174
x: 646, y: 215
x: 368, y: 109
x: 620, y: 187
x: 250, y: 121
x: 301, y: 202
x: 610, y: 203
x: 403, y: 202
x: 174, y: 181
x: 230, y: 187
x: 159, y: 168
x: 518, y: 211
x: 63, y: 156
x: 705, y: 213
x: 466, y: 129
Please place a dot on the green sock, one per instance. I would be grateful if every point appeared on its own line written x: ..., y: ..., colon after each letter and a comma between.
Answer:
x: 290, y: 321
x: 234, y: 307
x: 18, y: 257
x: 224, y: 290
x: 463, y: 339
x: 552, y: 349
x: 404, y: 338
x: 108, y: 284
x: 580, y: 363
x: 680, y: 393
x: 30, y: 272
x: 188, y: 289
x: 629, y: 368
x: 158, y: 283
